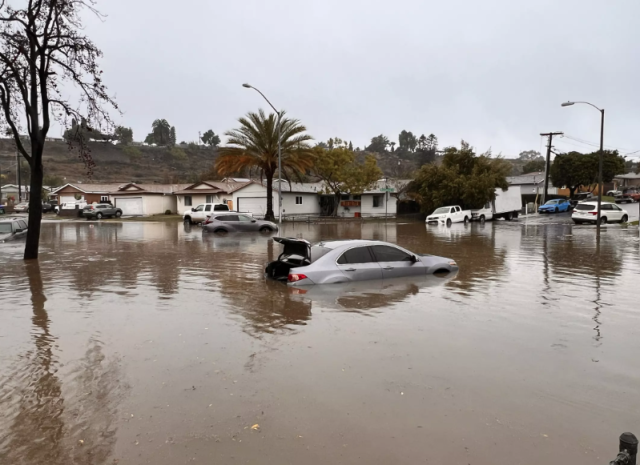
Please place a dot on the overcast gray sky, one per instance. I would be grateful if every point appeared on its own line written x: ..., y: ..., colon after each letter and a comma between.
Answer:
x: 492, y: 72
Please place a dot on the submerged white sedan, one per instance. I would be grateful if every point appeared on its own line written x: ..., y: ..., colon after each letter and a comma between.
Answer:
x: 329, y: 262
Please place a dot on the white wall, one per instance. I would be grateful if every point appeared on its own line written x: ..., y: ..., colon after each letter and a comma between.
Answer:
x: 254, y: 190
x: 310, y: 204
x: 368, y: 209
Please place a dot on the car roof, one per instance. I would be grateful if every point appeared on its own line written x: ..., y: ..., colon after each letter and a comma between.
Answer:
x: 595, y: 202
x: 350, y: 242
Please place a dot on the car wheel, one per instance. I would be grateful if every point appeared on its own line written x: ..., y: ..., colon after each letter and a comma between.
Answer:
x: 555, y: 210
x: 603, y: 220
x: 265, y: 229
x: 449, y: 221
x: 624, y: 219
x: 222, y: 232
x: 98, y: 216
x: 118, y: 214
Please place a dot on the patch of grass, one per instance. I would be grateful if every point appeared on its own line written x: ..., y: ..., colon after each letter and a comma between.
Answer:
x: 607, y: 198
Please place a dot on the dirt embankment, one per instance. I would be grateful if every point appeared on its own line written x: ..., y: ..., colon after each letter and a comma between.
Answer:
x: 117, y: 163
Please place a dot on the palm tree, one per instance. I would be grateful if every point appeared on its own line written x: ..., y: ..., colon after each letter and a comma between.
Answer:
x: 255, y: 145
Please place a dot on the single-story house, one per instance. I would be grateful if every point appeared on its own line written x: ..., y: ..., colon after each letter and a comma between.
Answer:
x: 146, y: 199
x: 88, y: 192
x: 211, y: 192
x: 626, y: 180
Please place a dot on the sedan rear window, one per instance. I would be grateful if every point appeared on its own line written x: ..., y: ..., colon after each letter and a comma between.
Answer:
x: 585, y: 207
x: 356, y: 255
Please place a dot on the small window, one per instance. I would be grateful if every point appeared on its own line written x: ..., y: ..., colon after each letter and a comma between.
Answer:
x: 357, y: 197
x: 377, y: 201
x: 606, y: 207
x: 228, y: 218
x: 344, y: 197
x: 356, y: 255
x: 384, y: 253
x: 221, y: 208
x: 615, y: 207
x: 199, y: 208
x: 104, y: 198
x: 207, y: 208
x: 209, y: 198
x: 298, y: 200
x: 22, y: 224
x: 187, y: 201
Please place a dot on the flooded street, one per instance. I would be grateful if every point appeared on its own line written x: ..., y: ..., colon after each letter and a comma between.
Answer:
x: 141, y: 342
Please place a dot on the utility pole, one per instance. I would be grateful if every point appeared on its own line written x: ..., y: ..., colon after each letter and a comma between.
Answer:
x: 547, y: 165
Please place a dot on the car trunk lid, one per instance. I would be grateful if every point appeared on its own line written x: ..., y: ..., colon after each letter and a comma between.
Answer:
x: 292, y: 246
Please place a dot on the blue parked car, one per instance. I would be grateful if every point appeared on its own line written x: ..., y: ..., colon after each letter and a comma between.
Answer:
x: 555, y: 206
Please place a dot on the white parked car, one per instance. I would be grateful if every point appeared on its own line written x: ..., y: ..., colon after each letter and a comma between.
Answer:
x: 448, y: 215
x: 587, y: 212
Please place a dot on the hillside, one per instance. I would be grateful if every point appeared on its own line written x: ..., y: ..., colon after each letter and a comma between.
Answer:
x: 141, y: 164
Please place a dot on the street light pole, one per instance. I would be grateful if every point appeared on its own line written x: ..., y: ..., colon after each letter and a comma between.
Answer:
x: 279, y: 113
x: 601, y: 161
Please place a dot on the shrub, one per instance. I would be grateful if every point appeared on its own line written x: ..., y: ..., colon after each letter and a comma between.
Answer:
x: 167, y: 212
x: 178, y: 154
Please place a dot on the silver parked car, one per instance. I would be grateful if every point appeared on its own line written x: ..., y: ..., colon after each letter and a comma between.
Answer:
x: 12, y: 229
x: 101, y: 210
x: 302, y: 263
x: 236, y: 222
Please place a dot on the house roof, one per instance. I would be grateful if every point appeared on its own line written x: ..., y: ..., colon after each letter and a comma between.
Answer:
x: 529, y: 178
x: 319, y: 187
x: 628, y: 176
x: 163, y: 189
x: 90, y: 188
x: 214, y: 187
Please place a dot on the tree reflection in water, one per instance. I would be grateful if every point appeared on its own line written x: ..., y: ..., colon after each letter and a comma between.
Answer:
x: 48, y: 419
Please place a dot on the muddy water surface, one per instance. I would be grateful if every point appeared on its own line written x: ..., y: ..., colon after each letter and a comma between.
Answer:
x: 145, y: 343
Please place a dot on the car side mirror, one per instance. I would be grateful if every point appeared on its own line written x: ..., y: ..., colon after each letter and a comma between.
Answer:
x: 414, y: 259
x: 193, y: 209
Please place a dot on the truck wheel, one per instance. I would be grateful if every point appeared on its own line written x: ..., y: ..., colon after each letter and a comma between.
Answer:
x: 187, y: 219
x: 466, y: 220
x: 482, y: 219
x: 449, y: 222
x: 509, y: 216
x: 515, y: 215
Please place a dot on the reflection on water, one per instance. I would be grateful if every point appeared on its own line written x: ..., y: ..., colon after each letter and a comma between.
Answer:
x: 191, y: 314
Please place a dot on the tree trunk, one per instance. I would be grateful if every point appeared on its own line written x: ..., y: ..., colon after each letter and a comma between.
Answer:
x: 337, y: 204
x: 269, y: 215
x: 35, y: 207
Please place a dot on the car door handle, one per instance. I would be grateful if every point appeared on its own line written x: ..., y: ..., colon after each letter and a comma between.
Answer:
x: 350, y: 269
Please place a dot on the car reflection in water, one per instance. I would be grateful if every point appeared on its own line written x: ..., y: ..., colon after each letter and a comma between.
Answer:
x: 367, y: 297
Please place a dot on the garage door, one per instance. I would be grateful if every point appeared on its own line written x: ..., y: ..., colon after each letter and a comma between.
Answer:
x: 67, y: 199
x: 255, y: 205
x: 131, y: 206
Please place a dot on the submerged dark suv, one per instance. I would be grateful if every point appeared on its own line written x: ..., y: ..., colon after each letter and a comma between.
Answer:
x: 12, y: 228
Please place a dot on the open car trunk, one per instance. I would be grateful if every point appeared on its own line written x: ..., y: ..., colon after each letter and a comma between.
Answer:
x: 297, y: 252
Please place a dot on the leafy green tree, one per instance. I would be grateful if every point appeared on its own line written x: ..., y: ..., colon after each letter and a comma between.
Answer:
x: 172, y: 136
x: 427, y: 148
x: 378, y: 144
x: 210, y: 138
x: 407, y: 142
x: 575, y: 169
x: 463, y: 179
x: 160, y: 133
x: 123, y: 135
x: 533, y: 166
x: 529, y: 155
x: 350, y: 146
x: 341, y: 173
x: 255, y: 145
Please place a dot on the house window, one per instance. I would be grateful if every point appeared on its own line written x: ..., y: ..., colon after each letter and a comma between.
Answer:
x: 104, y: 198
x: 344, y: 197
x: 299, y: 200
x: 209, y: 199
x: 378, y: 200
x: 357, y: 197
x: 187, y: 201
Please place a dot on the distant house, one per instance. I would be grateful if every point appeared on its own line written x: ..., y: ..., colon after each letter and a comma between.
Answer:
x: 211, y: 192
x: 88, y: 192
x: 626, y: 180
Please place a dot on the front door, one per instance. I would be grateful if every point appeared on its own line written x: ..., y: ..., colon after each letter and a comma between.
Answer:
x: 246, y: 224
x: 396, y: 263
x: 357, y: 264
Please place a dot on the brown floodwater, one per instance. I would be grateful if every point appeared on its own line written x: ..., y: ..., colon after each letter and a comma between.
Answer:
x: 138, y: 343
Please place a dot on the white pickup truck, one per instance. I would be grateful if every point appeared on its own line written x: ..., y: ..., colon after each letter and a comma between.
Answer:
x: 448, y: 215
x: 199, y: 214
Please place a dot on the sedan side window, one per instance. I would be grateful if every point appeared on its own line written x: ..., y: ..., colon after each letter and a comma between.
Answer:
x: 245, y: 218
x: 384, y: 253
x: 22, y: 224
x: 615, y: 207
x: 356, y: 255
x: 228, y: 218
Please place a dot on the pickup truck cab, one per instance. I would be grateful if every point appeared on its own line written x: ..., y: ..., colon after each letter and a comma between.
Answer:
x: 201, y: 212
x: 449, y: 215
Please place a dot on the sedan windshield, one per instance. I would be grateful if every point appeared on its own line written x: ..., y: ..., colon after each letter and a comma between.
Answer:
x: 441, y: 210
x: 551, y: 202
x: 5, y: 228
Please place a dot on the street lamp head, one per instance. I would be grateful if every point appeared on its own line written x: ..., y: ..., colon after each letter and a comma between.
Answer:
x: 246, y: 85
x: 567, y: 104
